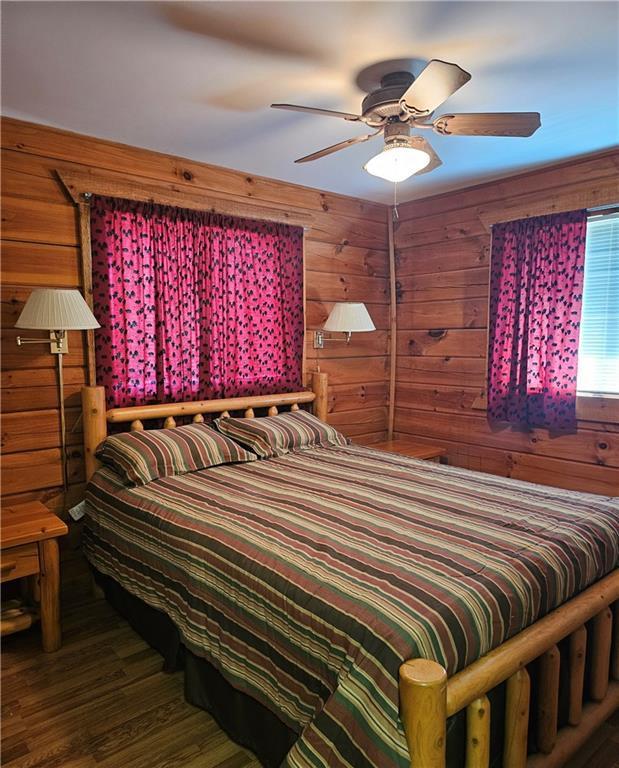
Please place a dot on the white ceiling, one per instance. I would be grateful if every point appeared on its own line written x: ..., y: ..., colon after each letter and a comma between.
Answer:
x: 195, y: 79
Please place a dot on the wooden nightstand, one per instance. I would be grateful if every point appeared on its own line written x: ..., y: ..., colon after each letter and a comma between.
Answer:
x: 30, y: 548
x: 411, y: 448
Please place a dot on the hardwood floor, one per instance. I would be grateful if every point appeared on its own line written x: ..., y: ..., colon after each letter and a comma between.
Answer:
x: 102, y: 701
x: 602, y: 749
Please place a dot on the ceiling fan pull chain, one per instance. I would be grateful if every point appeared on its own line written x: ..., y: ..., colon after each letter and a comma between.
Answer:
x: 396, y: 215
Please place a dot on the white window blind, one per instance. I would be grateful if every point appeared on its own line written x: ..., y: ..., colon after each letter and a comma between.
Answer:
x: 598, y: 356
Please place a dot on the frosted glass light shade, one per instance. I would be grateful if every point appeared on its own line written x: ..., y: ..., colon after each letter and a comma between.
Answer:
x: 349, y: 317
x: 56, y: 309
x: 397, y: 162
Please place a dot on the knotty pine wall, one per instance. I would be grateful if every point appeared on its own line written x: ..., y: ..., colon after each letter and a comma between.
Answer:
x: 442, y: 268
x: 346, y: 259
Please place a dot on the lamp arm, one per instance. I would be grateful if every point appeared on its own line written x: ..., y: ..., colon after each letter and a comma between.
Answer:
x: 345, y: 338
x: 21, y: 341
x: 320, y: 338
x: 57, y: 341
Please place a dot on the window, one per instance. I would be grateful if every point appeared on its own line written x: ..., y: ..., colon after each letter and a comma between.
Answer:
x: 598, y: 356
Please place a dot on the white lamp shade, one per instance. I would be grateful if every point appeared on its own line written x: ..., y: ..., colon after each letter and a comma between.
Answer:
x: 349, y: 317
x: 55, y: 309
x: 397, y: 163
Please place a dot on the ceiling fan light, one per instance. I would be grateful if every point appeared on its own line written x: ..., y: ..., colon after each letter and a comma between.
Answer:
x: 397, y: 162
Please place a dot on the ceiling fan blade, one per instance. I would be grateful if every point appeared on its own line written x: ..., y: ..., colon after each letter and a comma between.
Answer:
x: 255, y: 30
x: 337, y: 147
x: 436, y: 83
x: 317, y: 111
x: 418, y: 142
x: 488, y: 124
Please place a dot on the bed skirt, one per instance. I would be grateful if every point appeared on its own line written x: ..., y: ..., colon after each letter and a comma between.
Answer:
x: 246, y: 721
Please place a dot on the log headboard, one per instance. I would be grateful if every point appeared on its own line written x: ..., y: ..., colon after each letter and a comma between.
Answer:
x: 97, y: 417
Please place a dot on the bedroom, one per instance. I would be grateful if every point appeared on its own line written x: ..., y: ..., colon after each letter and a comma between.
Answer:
x: 155, y: 223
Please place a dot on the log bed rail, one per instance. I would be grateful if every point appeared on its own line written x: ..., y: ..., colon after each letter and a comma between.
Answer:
x: 427, y: 696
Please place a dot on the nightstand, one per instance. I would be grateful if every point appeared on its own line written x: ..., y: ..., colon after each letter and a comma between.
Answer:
x: 30, y: 549
x: 411, y: 448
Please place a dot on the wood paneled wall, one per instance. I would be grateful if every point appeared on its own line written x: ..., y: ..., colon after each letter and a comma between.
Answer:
x: 442, y: 258
x: 442, y: 248
x: 345, y: 254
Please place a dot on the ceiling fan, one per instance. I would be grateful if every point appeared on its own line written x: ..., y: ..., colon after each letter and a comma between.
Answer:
x: 398, y: 101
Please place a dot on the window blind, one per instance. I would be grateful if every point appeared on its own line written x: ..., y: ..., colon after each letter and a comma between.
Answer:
x: 598, y: 357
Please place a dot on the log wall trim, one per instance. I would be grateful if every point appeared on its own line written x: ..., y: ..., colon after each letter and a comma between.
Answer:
x: 442, y: 264
x: 81, y: 185
x: 83, y: 212
x: 45, y: 244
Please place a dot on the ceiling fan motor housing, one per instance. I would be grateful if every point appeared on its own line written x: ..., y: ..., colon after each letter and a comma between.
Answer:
x: 396, y: 133
x: 385, y: 101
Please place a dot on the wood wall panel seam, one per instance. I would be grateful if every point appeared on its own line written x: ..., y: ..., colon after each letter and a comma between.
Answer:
x: 393, y: 324
x: 521, y: 466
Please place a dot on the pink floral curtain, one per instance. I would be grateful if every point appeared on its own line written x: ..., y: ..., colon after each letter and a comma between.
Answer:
x: 194, y: 305
x: 536, y: 284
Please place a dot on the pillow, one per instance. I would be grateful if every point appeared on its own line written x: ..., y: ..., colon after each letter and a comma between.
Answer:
x: 277, y: 435
x: 139, y: 457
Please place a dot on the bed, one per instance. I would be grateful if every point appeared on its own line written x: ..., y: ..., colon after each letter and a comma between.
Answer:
x: 362, y: 600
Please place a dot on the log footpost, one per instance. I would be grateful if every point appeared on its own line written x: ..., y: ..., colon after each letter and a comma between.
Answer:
x: 478, y: 733
x: 548, y: 701
x: 578, y: 656
x: 423, y: 709
x: 600, y: 656
x: 517, y: 701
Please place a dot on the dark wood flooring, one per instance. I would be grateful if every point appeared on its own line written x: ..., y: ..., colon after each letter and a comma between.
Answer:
x: 602, y: 749
x: 102, y: 701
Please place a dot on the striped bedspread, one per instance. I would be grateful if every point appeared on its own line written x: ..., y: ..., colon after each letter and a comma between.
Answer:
x: 308, y: 579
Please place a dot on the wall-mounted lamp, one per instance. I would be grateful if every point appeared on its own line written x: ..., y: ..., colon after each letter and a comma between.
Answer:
x: 345, y: 317
x: 57, y: 311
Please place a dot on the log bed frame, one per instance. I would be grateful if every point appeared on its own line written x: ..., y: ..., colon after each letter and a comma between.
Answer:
x: 427, y: 696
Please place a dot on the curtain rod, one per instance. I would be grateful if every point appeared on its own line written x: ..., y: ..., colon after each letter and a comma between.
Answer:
x: 603, y: 210
x: 306, y: 228
x: 598, y: 210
